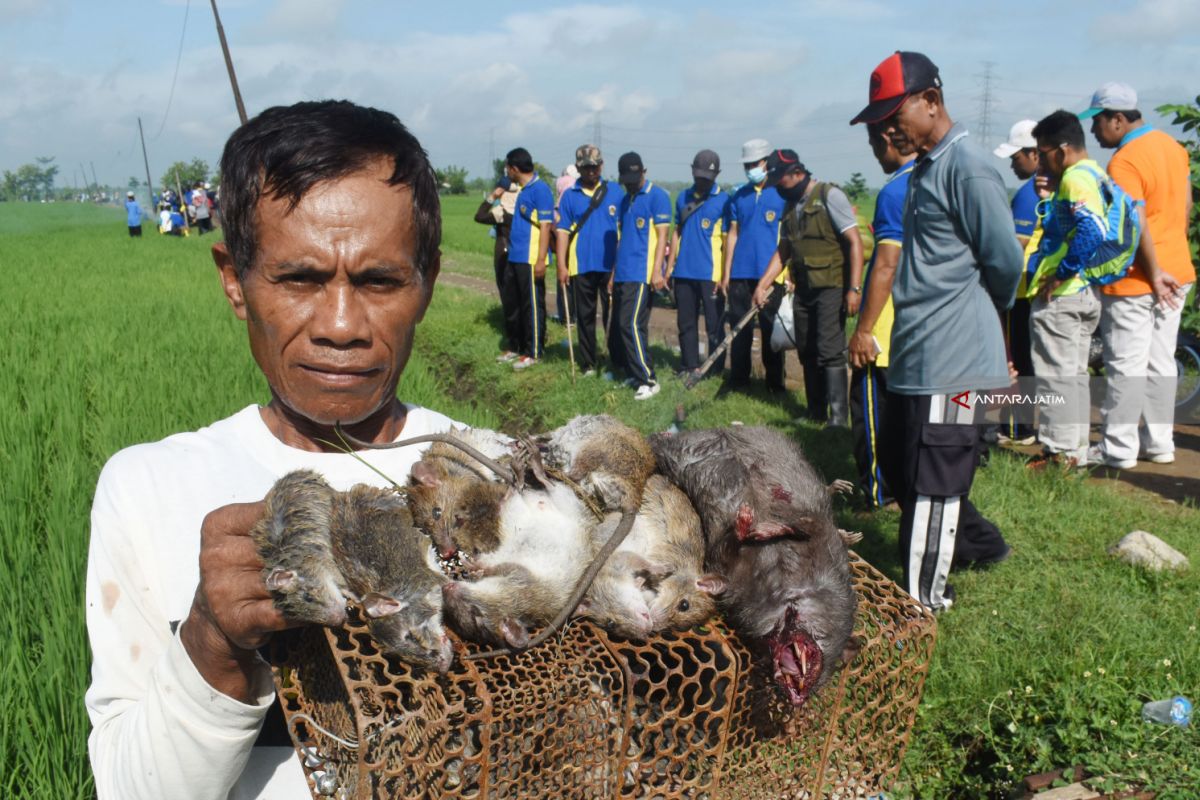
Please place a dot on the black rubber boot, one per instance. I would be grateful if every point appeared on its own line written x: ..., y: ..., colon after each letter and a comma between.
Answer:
x: 815, y: 392
x: 837, y: 384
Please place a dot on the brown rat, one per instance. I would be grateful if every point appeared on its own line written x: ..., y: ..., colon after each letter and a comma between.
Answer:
x: 293, y: 542
x: 388, y: 566
x: 769, y: 528
x: 545, y: 545
x: 605, y: 456
x: 655, y: 580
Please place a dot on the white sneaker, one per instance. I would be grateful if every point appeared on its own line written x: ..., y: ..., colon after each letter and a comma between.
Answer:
x: 587, y: 373
x: 523, y: 362
x: 507, y: 356
x: 646, y: 391
x: 1159, y: 458
x: 1096, y: 457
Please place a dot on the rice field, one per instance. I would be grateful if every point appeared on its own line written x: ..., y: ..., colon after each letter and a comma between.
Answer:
x: 1044, y: 663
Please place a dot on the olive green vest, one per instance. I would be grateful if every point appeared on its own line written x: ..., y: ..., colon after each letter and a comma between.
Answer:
x: 818, y: 261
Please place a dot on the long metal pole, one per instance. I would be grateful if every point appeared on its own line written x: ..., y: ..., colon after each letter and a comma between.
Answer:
x: 237, y: 94
x: 95, y: 181
x: 146, y: 161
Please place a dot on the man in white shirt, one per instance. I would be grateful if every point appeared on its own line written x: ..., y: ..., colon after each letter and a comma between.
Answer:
x: 331, y: 243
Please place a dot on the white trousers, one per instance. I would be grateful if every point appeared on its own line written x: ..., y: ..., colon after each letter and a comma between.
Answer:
x: 1060, y: 331
x: 1139, y: 341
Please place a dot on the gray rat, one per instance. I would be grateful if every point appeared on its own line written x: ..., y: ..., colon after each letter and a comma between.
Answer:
x: 768, y: 524
x: 293, y: 543
x: 388, y: 566
x: 545, y: 545
x: 655, y: 580
x: 455, y: 498
x: 605, y: 456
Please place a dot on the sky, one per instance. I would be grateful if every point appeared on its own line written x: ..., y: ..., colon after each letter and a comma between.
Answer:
x: 474, y: 79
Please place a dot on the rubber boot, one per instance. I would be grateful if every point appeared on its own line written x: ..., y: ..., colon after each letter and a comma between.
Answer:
x: 838, y: 387
x: 815, y: 392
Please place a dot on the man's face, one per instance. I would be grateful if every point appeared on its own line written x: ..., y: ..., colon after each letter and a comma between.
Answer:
x: 912, y: 124
x: 1108, y: 129
x: 791, y: 179
x: 1025, y: 162
x: 589, y: 175
x: 334, y: 296
x: 1051, y: 159
x: 883, y: 150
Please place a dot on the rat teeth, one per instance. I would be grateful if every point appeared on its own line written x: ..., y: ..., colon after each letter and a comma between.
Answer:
x: 803, y: 657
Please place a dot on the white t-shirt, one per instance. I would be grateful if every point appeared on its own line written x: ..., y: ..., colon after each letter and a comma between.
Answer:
x: 158, y: 729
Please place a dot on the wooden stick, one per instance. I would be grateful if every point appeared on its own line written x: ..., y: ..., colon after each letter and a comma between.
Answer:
x: 566, y: 309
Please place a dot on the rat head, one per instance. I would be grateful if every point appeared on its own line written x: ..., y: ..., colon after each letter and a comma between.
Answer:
x: 312, y: 593
x: 411, y: 630
x: 684, y: 600
x: 456, y: 511
x: 620, y: 603
x: 480, y: 618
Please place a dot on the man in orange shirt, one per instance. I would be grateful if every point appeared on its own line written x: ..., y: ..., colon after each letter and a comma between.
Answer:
x: 1140, y: 312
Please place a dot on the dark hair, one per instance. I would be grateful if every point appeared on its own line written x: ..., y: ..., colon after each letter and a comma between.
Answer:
x: 286, y: 150
x: 519, y: 159
x: 1132, y: 115
x: 1061, y: 127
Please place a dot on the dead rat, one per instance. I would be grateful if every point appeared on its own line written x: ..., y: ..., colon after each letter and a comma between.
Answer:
x: 655, y: 580
x: 769, y: 528
x: 545, y: 545
x: 604, y: 456
x: 388, y: 566
x: 458, y: 511
x: 293, y: 543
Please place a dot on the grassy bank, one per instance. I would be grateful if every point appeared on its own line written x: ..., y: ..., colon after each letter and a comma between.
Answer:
x: 1043, y: 663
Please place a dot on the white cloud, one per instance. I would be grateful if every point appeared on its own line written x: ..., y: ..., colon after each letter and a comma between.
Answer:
x: 1150, y: 21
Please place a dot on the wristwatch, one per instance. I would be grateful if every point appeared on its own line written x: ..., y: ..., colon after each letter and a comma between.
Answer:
x: 854, y: 289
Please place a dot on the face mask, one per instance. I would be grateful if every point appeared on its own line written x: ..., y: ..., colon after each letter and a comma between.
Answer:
x: 704, y: 186
x: 756, y: 175
x: 796, y: 193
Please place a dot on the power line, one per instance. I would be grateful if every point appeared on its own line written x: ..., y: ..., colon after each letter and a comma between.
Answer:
x: 178, y: 59
x: 986, y: 102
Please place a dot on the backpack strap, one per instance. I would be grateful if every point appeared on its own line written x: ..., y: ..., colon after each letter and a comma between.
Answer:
x: 597, y: 198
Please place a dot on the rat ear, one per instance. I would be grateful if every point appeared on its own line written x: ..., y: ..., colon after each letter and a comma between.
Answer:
x: 281, y: 580
x: 514, y: 633
x: 426, y: 475
x: 711, y: 583
x: 381, y: 605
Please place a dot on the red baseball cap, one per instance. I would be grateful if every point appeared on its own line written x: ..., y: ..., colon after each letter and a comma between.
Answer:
x: 897, y: 77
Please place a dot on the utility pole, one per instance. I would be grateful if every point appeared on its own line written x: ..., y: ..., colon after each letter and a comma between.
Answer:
x: 596, y: 134
x: 492, y: 148
x: 237, y: 94
x: 146, y: 161
x: 95, y: 182
x: 986, y: 103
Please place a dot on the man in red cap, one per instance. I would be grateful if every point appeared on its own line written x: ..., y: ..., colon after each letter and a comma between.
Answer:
x: 959, y: 266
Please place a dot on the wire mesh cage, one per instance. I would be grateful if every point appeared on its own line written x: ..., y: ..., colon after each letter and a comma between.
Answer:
x: 589, y: 715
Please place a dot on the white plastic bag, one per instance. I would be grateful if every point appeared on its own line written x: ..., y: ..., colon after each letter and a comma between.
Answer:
x: 783, y: 331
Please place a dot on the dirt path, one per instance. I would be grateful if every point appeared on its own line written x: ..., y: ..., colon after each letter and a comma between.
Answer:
x: 1178, y: 482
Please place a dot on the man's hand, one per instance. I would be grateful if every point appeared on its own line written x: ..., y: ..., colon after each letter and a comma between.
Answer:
x: 853, y: 301
x: 563, y: 275
x: 1048, y: 289
x: 862, y: 349
x: 1168, y: 292
x: 721, y: 288
x: 232, y: 612
x: 658, y: 282
x: 761, y: 295
x: 495, y: 195
x: 539, y: 269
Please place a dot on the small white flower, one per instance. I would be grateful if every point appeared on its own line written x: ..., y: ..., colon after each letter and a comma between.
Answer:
x: 1028, y: 690
x: 1087, y: 673
x: 1166, y: 662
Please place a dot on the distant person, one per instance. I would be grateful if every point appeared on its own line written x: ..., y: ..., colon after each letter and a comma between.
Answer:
x: 133, y: 215
x: 749, y: 246
x: 201, y: 212
x: 959, y: 265
x: 645, y: 215
x: 1022, y: 152
x: 870, y: 345
x: 563, y: 308
x: 703, y: 214
x: 529, y: 243
x: 586, y: 247
x: 1065, y: 309
x: 1141, y: 312
x: 822, y: 250
x: 497, y: 210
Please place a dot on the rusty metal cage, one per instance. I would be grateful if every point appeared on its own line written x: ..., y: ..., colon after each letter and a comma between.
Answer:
x: 588, y: 715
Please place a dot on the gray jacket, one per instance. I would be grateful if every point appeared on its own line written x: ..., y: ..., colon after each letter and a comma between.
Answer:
x: 959, y: 267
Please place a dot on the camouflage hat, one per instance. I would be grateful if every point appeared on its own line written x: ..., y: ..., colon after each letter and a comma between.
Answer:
x: 588, y: 155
